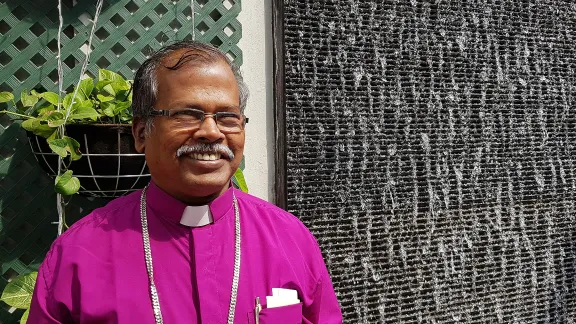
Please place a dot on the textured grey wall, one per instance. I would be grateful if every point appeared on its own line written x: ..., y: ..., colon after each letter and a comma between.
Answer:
x: 431, y: 150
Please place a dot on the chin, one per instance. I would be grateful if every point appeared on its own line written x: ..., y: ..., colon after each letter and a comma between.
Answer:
x: 206, y: 184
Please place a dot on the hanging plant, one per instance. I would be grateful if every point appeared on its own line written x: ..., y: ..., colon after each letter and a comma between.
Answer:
x: 106, y: 101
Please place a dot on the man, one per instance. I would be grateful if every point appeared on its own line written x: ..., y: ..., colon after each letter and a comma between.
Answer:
x: 189, y: 248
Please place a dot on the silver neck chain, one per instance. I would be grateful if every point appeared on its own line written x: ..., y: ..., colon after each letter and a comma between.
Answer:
x: 150, y: 268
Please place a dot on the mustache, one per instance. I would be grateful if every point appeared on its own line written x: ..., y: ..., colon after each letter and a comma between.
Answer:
x: 206, y: 148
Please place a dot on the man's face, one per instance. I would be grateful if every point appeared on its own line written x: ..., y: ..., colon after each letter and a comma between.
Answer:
x: 212, y: 88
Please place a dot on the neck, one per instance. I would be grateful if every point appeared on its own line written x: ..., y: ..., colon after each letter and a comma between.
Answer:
x: 196, y: 200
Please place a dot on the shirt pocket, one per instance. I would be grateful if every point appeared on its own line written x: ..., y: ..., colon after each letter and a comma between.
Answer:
x: 291, y: 314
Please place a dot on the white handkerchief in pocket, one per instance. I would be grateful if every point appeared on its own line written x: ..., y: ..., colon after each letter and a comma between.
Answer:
x: 282, y: 297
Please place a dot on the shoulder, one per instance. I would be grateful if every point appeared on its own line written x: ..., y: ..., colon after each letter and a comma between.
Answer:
x: 268, y: 212
x: 100, y: 223
x: 285, y: 235
x: 287, y: 228
x: 90, y: 241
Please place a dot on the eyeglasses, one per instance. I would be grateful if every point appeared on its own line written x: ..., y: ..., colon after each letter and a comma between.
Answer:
x: 227, y: 122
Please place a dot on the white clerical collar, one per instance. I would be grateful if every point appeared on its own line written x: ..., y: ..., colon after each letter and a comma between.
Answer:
x: 196, y: 216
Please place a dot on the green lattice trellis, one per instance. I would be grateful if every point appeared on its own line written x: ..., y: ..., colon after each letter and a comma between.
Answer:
x: 127, y: 31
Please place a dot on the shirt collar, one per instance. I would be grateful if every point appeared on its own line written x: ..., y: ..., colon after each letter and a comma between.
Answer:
x: 172, y: 209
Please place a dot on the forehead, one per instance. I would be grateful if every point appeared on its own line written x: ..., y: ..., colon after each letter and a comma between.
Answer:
x: 207, y: 80
x: 188, y: 60
x: 189, y: 56
x: 215, y: 74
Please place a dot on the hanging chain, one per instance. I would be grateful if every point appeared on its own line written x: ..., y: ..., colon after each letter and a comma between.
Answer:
x: 86, y: 57
x: 237, y: 251
x: 60, y: 205
x: 148, y: 256
x: 193, y: 14
x: 150, y: 268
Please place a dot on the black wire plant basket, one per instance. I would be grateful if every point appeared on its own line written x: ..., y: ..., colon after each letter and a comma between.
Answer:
x: 110, y: 166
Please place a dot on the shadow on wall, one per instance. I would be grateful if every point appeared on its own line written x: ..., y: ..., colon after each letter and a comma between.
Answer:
x: 28, y: 32
x: 22, y: 10
x: 27, y: 208
x: 27, y: 198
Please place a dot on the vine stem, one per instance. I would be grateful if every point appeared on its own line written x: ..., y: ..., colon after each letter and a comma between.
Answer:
x: 15, y: 114
x: 86, y: 57
x: 193, y: 20
x: 60, y: 203
x: 61, y: 130
x: 59, y: 58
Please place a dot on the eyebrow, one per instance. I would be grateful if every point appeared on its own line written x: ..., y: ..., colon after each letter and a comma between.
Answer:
x: 200, y: 107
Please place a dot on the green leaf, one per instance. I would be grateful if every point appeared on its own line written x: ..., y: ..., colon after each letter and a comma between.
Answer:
x: 126, y: 116
x: 24, y: 318
x: 111, y: 82
x: 18, y: 292
x: 35, y: 126
x: 66, y: 184
x: 89, y: 103
x: 109, y: 89
x: 121, y: 106
x: 6, y: 96
x: 108, y: 109
x: 109, y: 75
x: 85, y: 88
x: 51, y: 97
x: 74, y: 148
x: 58, y: 145
x: 104, y: 98
x: 239, y: 180
x: 52, y: 137
x: 102, y: 83
x: 126, y: 119
x: 27, y: 99
x: 63, y: 146
x: 52, y: 115
x: 44, y: 111
x: 55, y: 119
x: 79, y: 102
x: 84, y: 113
x: 56, y: 123
x: 67, y: 101
x: 118, y: 86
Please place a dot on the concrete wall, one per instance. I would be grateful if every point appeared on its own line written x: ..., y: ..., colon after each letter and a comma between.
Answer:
x: 256, y: 45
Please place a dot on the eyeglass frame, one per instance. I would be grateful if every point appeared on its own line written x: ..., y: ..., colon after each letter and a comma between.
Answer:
x: 166, y: 113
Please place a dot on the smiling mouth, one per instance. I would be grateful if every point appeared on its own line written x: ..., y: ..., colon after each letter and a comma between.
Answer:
x: 205, y: 156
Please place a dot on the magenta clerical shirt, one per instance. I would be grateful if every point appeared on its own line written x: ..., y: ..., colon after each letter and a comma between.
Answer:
x: 96, y: 273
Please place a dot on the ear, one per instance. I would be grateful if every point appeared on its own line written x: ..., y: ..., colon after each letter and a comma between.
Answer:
x: 139, y: 134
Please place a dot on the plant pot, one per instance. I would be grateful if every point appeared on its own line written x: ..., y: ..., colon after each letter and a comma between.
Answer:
x: 110, y: 166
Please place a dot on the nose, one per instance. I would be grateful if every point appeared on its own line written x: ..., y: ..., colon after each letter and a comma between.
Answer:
x: 208, y: 131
